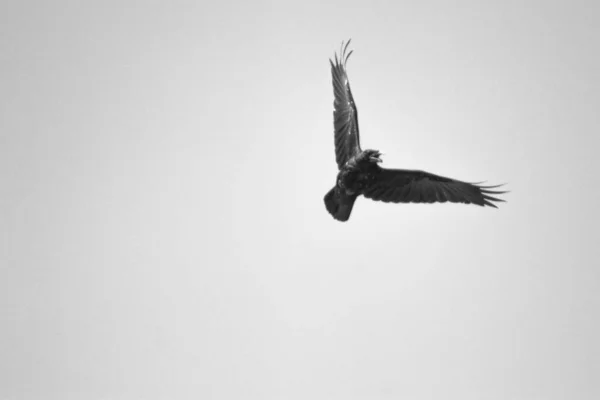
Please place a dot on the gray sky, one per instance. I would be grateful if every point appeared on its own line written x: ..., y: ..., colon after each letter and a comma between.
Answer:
x: 162, y: 228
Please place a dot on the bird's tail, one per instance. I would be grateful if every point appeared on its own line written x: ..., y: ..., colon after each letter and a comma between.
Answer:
x: 339, y: 204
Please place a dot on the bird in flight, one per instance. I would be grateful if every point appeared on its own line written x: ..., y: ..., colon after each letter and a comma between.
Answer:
x: 360, y: 174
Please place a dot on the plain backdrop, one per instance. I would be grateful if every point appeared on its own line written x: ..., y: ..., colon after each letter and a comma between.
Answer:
x: 162, y: 228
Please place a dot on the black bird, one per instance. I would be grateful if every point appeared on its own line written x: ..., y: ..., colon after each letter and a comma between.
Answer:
x: 360, y: 174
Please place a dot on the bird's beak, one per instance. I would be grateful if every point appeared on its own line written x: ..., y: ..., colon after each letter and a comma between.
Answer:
x: 375, y: 157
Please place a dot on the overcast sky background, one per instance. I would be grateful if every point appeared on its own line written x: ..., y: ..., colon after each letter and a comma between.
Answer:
x: 162, y: 228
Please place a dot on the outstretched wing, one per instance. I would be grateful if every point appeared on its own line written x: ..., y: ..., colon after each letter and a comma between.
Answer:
x: 345, y: 117
x: 404, y: 186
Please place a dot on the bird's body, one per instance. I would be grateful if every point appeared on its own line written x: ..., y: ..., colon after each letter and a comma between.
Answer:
x: 360, y: 174
x: 353, y: 178
x: 356, y: 175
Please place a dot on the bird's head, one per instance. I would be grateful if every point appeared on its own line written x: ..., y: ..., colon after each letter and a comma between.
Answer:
x: 371, y: 156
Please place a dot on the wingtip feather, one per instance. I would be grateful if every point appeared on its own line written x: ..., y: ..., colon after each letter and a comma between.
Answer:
x: 494, y: 199
x: 490, y: 204
x: 346, y: 47
x: 347, y: 57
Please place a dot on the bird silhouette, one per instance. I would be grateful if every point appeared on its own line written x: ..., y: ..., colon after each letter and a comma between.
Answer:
x: 360, y: 174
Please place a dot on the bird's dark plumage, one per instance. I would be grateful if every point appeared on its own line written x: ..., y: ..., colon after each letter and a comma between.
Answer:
x: 360, y: 174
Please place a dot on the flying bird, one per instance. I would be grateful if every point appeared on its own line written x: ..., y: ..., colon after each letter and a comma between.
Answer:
x: 360, y: 174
